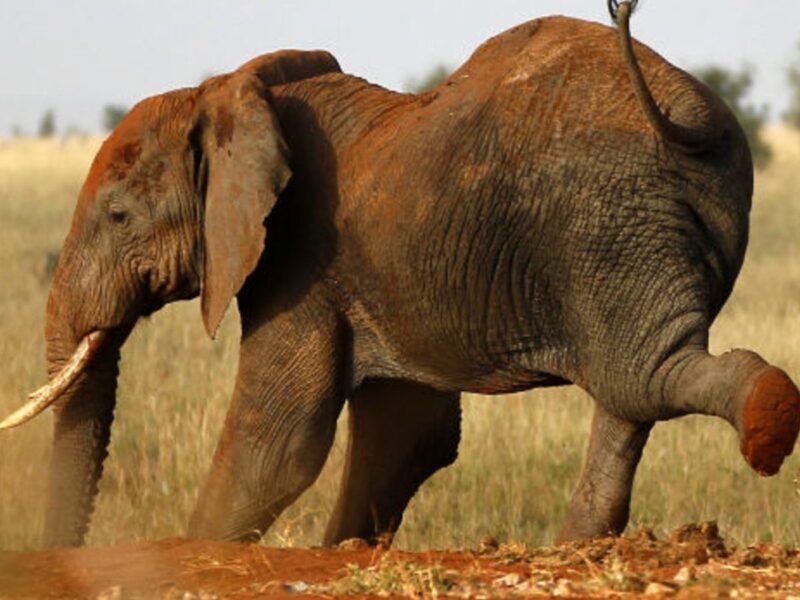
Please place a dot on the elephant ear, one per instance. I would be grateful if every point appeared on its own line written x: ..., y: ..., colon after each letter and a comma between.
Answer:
x: 247, y: 168
x: 285, y: 66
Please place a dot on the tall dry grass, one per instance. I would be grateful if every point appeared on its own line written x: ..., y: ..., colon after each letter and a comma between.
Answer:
x: 519, y: 457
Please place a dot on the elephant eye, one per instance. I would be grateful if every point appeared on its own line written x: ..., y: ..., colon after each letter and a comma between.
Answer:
x: 118, y: 216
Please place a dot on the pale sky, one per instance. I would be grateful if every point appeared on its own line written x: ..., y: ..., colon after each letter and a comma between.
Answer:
x: 76, y: 56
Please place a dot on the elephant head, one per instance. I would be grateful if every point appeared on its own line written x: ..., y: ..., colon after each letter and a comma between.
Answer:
x: 173, y: 206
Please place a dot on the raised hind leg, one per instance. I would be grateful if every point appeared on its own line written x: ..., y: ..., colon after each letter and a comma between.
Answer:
x: 400, y: 434
x: 756, y: 398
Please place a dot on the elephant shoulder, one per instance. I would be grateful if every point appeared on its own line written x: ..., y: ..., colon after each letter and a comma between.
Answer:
x: 287, y: 66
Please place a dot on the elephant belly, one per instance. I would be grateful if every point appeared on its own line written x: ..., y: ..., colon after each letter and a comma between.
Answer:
x: 471, y: 317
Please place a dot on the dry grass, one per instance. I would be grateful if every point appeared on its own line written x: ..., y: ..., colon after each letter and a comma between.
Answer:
x: 520, y: 455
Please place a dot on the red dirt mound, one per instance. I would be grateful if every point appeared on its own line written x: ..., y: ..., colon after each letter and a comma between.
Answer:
x: 693, y: 563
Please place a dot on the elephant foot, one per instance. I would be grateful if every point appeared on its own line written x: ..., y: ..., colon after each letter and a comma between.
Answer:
x: 770, y: 421
x: 382, y: 541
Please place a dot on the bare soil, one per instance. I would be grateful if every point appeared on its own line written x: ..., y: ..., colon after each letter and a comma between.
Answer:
x: 693, y: 563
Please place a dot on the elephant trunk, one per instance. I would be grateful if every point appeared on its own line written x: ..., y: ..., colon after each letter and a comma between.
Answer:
x: 691, y: 140
x: 83, y: 415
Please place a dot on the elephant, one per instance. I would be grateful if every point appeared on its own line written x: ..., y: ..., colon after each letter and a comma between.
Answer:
x: 567, y: 208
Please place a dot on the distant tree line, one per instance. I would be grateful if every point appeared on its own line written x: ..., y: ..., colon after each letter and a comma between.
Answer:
x: 733, y: 87
x: 110, y: 117
x: 429, y: 80
x: 792, y: 116
x: 47, y: 124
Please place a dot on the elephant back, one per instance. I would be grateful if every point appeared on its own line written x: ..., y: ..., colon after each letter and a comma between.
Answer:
x: 571, y: 74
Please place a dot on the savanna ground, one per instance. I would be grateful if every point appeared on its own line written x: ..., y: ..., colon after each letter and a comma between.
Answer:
x: 520, y: 455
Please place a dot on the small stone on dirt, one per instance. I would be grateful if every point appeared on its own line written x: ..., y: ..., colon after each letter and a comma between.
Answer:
x: 563, y: 589
x: 296, y: 587
x: 657, y: 589
x: 684, y: 576
x: 353, y: 544
x: 510, y: 580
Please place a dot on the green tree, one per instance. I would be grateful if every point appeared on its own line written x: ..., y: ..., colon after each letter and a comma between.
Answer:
x: 112, y: 115
x: 47, y: 124
x: 792, y: 115
x: 428, y: 81
x: 74, y: 131
x: 733, y: 87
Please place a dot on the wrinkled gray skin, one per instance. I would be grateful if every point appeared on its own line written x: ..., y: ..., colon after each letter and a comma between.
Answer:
x: 522, y: 225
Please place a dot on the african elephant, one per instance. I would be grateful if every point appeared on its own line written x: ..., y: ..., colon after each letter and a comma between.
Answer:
x: 549, y: 215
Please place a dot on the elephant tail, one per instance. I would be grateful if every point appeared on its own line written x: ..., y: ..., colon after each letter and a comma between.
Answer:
x: 691, y: 140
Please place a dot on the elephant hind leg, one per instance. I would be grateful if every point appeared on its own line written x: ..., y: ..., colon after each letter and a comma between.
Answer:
x: 401, y: 433
x: 758, y: 399
x: 601, y: 502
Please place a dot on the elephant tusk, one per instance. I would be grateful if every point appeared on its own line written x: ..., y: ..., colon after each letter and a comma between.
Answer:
x: 49, y: 393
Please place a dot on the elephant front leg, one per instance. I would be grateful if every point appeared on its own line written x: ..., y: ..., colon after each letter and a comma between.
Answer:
x: 401, y: 433
x: 279, y: 429
x: 601, y: 502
